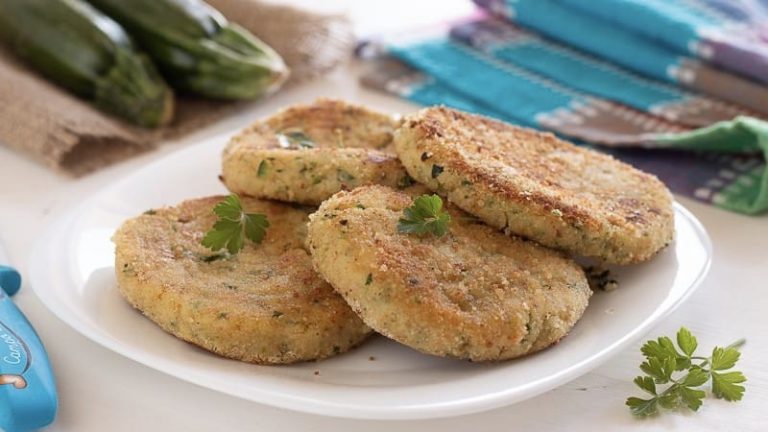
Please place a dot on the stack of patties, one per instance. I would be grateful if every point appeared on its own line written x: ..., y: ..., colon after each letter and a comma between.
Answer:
x: 496, y: 283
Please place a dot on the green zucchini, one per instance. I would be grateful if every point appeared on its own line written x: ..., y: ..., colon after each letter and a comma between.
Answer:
x: 86, y: 52
x: 197, y: 49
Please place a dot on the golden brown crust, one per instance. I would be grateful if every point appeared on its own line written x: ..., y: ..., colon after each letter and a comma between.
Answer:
x: 474, y: 293
x: 533, y: 184
x: 350, y: 146
x: 264, y: 305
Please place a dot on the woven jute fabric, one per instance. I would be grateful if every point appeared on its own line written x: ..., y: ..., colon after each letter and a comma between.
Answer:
x: 310, y: 43
x: 67, y: 134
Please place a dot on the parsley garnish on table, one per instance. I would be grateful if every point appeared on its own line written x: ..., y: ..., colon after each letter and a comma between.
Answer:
x: 664, y: 364
x: 426, y: 215
x: 234, y: 226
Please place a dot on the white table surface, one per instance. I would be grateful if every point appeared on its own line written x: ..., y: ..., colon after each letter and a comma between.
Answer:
x: 102, y: 391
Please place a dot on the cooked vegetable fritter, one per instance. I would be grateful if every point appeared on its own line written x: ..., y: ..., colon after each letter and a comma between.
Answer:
x: 265, y: 304
x: 533, y: 184
x: 472, y: 293
x: 306, y: 153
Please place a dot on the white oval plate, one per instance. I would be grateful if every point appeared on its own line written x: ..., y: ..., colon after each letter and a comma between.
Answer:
x: 72, y: 272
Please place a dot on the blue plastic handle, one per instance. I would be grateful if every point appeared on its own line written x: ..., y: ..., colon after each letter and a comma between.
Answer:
x: 28, y: 398
x: 10, y: 280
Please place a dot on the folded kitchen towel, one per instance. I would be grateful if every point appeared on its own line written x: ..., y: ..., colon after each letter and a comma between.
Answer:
x: 528, y: 98
x: 69, y: 135
x: 591, y: 75
x: 595, y: 27
x: 310, y: 42
x: 695, y: 27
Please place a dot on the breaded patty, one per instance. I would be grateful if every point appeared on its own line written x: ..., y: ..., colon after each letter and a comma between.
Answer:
x: 473, y: 293
x: 306, y: 153
x: 535, y: 185
x: 263, y: 305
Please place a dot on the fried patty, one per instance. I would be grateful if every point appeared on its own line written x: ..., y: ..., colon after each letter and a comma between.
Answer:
x: 263, y: 305
x: 474, y: 293
x: 535, y: 185
x: 306, y: 153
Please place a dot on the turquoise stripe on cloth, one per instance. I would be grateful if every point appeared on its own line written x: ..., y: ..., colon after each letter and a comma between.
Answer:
x: 675, y: 23
x: 514, y: 92
x: 588, y: 75
x: 638, y: 32
x: 595, y: 35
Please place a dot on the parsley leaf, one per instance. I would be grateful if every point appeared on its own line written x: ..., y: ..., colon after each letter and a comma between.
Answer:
x: 646, y: 383
x: 663, y: 359
x: 692, y: 398
x: 686, y: 341
x: 426, y: 215
x: 234, y: 226
x: 696, y: 377
x: 663, y: 347
x: 724, y: 358
x: 654, y: 367
x: 642, y: 407
x: 725, y: 385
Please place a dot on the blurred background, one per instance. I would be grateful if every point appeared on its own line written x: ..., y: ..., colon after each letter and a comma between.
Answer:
x: 659, y: 84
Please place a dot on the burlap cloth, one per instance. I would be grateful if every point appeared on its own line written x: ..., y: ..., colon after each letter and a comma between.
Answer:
x: 67, y: 134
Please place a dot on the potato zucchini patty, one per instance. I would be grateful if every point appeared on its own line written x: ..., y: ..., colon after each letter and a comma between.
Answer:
x: 532, y: 184
x: 306, y: 153
x: 263, y: 305
x: 474, y: 293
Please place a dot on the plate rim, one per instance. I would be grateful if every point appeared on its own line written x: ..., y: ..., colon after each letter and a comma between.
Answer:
x: 462, y: 406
